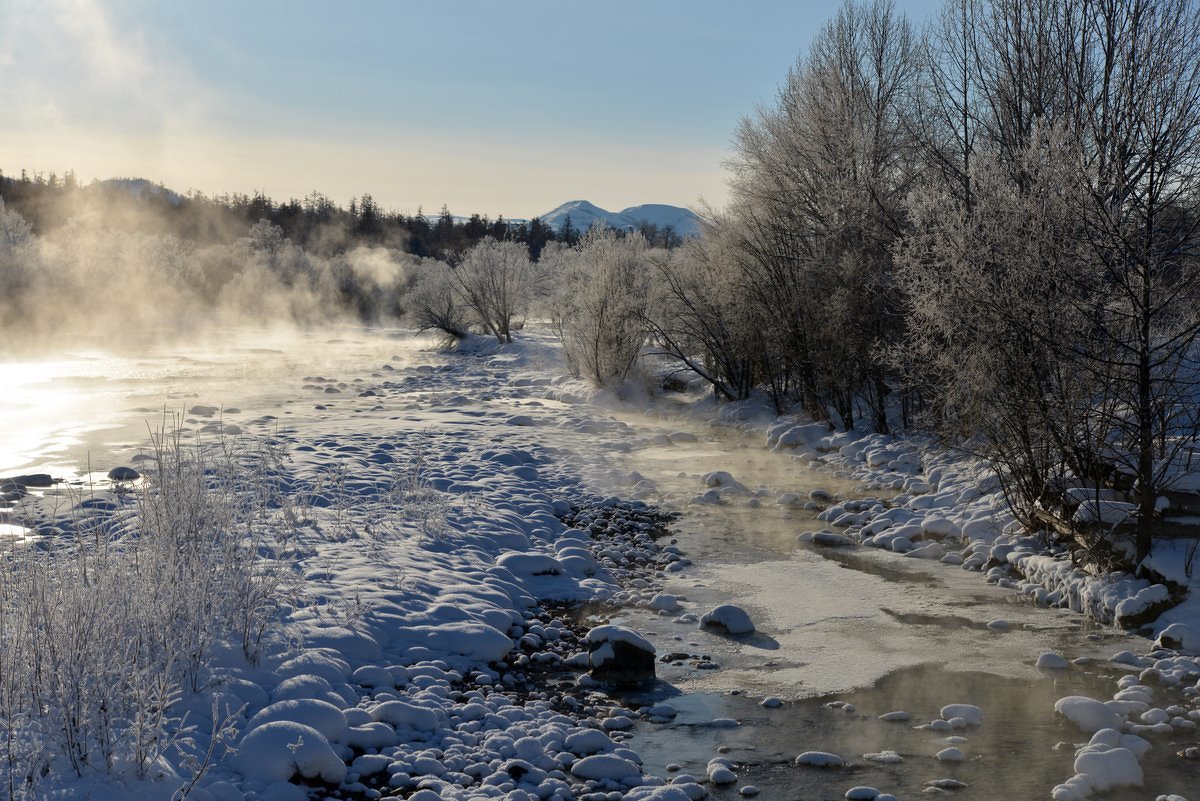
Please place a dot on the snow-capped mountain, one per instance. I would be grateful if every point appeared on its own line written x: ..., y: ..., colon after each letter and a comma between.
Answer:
x: 584, y: 213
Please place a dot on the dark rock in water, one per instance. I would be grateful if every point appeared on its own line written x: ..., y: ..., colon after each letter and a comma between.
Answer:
x: 620, y: 656
x: 37, y: 480
x: 123, y: 474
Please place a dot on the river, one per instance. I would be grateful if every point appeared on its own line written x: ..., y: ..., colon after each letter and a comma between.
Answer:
x: 862, y: 627
x: 844, y: 635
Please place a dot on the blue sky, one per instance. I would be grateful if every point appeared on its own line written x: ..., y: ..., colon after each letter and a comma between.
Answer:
x: 502, y: 108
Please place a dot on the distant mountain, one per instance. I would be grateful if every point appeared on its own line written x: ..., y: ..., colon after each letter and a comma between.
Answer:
x: 140, y: 188
x: 584, y: 214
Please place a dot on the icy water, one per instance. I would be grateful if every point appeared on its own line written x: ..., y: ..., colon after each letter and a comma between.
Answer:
x: 92, y: 406
x: 863, y: 627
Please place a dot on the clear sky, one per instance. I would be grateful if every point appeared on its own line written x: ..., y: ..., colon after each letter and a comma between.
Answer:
x: 497, y: 107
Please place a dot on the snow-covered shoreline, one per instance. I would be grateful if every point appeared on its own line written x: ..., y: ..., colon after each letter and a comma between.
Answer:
x: 432, y: 528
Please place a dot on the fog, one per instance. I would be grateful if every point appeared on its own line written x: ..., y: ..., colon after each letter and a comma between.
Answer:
x: 108, y: 280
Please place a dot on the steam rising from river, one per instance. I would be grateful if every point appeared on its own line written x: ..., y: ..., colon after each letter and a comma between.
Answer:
x: 88, y: 282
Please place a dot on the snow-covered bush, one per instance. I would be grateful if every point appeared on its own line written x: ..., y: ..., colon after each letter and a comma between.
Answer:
x: 600, y: 303
x: 106, y: 625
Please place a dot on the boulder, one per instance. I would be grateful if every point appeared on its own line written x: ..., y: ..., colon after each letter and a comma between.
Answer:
x: 728, y: 618
x: 620, y: 656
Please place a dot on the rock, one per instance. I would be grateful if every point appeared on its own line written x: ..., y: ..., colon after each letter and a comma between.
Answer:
x: 1088, y: 714
x: 1050, y: 661
x: 605, y: 766
x: 820, y: 759
x: 951, y: 754
x: 123, y: 474
x: 728, y: 618
x: 971, y: 714
x: 620, y: 656
x: 828, y: 539
x: 1179, y: 637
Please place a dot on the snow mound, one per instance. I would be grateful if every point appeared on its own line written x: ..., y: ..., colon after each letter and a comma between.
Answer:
x: 1051, y: 661
x: 605, y: 766
x: 732, y: 619
x: 277, y: 751
x: 820, y: 759
x: 1179, y: 637
x: 970, y: 713
x: 1088, y: 714
x: 1099, y: 768
x: 320, y: 715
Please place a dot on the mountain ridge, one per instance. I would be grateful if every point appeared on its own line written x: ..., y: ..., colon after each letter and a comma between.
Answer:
x: 584, y: 214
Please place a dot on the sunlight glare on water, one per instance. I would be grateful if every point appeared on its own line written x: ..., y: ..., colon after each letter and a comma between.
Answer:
x: 55, y: 412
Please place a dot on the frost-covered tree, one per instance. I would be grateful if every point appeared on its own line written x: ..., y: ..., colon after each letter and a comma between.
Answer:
x: 599, y: 307
x: 1083, y: 254
x: 702, y: 315
x: 17, y: 253
x: 495, y: 280
x: 818, y: 184
x: 433, y: 303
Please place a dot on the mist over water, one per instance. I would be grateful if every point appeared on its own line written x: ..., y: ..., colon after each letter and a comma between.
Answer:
x: 89, y: 284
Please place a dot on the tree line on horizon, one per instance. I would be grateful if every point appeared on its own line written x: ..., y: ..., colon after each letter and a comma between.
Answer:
x: 313, y: 222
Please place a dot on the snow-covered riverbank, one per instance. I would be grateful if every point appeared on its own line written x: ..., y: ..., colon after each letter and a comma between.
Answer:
x: 439, y: 504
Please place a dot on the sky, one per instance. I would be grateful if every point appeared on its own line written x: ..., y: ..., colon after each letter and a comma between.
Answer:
x: 493, y: 107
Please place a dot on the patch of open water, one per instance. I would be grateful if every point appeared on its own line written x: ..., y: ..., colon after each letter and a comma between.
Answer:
x: 865, y: 627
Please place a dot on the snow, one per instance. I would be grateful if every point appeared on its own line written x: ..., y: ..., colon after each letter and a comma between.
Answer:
x: 1180, y: 637
x: 1049, y: 661
x: 326, y: 718
x: 442, y: 597
x: 970, y: 714
x: 1099, y: 768
x: 277, y: 751
x: 732, y: 619
x: 605, y: 766
x: 820, y: 759
x: 611, y: 634
x: 1088, y: 714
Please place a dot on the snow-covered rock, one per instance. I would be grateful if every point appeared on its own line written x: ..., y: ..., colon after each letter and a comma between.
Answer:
x: 820, y: 759
x: 1180, y: 637
x: 728, y: 618
x: 1088, y: 714
x: 619, y: 655
x: 605, y: 766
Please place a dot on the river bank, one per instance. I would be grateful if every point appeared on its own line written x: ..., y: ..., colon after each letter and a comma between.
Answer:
x: 420, y: 481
